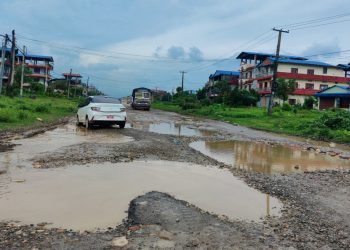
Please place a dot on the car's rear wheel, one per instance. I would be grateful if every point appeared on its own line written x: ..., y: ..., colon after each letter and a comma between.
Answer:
x: 87, y: 125
x: 78, y: 122
x: 121, y: 124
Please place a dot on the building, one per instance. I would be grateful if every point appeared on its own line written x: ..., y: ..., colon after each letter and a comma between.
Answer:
x: 221, y: 75
x: 256, y: 72
x: 224, y: 75
x: 337, y: 96
x: 73, y: 78
x: 40, y: 66
x: 7, y: 65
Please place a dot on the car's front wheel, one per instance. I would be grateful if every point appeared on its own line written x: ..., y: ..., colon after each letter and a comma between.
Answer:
x: 87, y: 125
x: 121, y: 124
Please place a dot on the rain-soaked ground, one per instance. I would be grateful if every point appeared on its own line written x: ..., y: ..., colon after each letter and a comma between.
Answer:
x: 267, y: 158
x: 87, y: 178
x: 97, y: 196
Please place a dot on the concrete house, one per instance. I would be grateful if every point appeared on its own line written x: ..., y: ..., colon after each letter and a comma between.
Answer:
x: 310, y: 76
x: 337, y: 96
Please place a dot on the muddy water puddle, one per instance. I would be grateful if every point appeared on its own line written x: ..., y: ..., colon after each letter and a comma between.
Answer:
x: 97, y: 196
x: 62, y: 136
x: 265, y: 158
x: 174, y: 128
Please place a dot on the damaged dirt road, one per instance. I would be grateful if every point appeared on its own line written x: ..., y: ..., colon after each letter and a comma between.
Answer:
x: 168, y: 181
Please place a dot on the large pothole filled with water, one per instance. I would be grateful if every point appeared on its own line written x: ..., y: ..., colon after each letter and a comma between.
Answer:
x: 266, y: 158
x: 97, y: 196
x: 175, y: 128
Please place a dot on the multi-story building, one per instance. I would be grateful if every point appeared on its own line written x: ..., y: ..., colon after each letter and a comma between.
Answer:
x: 40, y: 66
x: 221, y: 75
x: 224, y: 75
x: 310, y: 76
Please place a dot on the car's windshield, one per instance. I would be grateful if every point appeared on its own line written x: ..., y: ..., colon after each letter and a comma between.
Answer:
x: 104, y: 99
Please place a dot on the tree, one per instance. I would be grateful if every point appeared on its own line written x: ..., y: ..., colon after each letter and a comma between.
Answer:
x: 284, y: 88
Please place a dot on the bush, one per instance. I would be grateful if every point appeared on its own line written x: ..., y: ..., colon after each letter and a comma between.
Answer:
x: 6, y: 116
x: 43, y: 108
x: 22, y: 115
x: 309, y: 102
x: 24, y: 107
x: 286, y: 107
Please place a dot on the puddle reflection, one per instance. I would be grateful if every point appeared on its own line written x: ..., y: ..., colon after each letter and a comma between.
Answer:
x: 260, y: 157
x: 172, y: 128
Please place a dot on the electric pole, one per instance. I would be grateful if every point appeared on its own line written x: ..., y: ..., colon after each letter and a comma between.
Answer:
x: 182, y: 81
x: 275, y: 67
x: 13, y: 58
x: 3, y: 52
x: 68, y: 81
x: 22, y: 75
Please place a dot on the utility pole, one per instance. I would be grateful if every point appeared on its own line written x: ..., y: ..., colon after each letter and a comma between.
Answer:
x: 13, y: 57
x: 68, y: 81
x: 3, y: 52
x: 22, y: 75
x: 275, y: 67
x: 182, y: 81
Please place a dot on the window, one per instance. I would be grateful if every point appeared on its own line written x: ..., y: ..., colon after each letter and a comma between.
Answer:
x: 37, y: 70
x: 292, y: 101
x: 296, y: 85
x: 323, y: 86
x: 325, y: 69
x: 310, y: 72
x: 294, y: 70
x: 309, y: 86
x: 265, y: 85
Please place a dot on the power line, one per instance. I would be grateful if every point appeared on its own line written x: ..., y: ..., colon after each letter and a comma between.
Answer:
x: 311, y: 21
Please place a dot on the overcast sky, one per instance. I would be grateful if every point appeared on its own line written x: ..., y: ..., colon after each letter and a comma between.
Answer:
x: 125, y: 44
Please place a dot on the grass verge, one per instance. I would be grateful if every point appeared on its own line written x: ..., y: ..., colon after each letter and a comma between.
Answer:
x: 24, y: 112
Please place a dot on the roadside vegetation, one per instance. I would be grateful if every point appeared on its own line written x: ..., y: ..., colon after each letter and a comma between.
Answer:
x: 18, y: 112
x: 37, y: 106
x: 238, y: 107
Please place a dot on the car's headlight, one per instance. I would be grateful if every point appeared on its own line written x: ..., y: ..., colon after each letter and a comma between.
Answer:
x: 122, y: 109
x: 95, y: 108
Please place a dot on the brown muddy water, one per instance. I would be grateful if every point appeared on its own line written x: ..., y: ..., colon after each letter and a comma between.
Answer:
x: 266, y: 158
x: 98, y: 195
x: 62, y: 136
x: 173, y: 128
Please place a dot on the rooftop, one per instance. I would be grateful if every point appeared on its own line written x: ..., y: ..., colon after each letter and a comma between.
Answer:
x: 36, y: 57
x: 72, y: 75
x: 301, y: 62
x: 263, y: 56
x: 224, y: 72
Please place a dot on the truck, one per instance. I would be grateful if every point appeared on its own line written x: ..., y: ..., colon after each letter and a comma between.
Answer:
x: 141, y: 98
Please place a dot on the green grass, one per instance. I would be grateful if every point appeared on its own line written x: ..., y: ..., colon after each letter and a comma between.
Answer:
x: 24, y: 112
x: 286, y: 122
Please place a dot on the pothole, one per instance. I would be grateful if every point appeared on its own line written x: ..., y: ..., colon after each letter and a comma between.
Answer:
x: 265, y: 158
x: 49, y: 141
x: 84, y: 198
x: 175, y: 128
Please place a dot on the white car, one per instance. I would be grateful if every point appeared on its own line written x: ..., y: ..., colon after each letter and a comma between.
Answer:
x: 101, y: 110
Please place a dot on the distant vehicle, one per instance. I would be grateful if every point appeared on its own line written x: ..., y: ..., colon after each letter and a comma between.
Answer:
x: 141, y: 98
x: 101, y: 110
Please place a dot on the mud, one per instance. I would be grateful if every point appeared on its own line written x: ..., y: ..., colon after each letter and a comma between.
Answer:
x: 315, y: 204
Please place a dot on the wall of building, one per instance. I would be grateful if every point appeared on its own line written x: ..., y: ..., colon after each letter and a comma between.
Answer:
x: 318, y: 70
